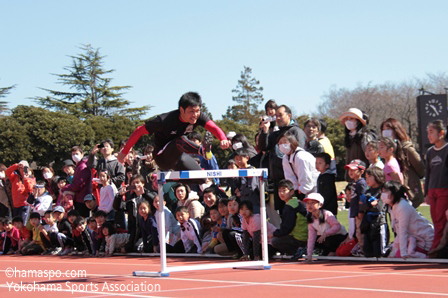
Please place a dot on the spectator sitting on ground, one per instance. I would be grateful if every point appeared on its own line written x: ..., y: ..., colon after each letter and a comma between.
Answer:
x: 415, y: 233
x: 293, y: 231
x: 323, y: 224
x: 189, y: 231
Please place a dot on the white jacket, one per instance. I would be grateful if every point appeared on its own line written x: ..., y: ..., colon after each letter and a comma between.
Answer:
x: 409, y: 223
x: 43, y: 203
x: 300, y: 168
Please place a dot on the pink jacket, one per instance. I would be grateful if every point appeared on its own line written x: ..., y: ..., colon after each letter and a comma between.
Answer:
x: 254, y: 224
x: 330, y: 227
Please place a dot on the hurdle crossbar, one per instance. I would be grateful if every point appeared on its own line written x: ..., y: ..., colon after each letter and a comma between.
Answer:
x: 263, y: 264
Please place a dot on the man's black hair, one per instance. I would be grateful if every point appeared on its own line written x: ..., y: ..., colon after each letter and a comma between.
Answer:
x: 190, y: 99
x: 109, y: 141
x: 323, y: 125
x: 287, y: 109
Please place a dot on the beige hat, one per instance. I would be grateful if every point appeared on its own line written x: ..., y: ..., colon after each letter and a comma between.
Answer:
x: 24, y: 163
x: 355, y: 113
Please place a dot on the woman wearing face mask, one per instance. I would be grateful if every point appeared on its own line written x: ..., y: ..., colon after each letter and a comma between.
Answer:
x: 415, y: 166
x: 299, y: 166
x: 50, y: 183
x: 82, y: 181
x: 357, y: 135
x: 415, y: 233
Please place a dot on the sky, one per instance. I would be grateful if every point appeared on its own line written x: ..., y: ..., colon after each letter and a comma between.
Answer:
x: 298, y: 50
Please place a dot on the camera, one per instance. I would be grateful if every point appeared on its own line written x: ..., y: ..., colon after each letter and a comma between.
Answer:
x: 101, y: 146
x: 269, y: 118
x: 141, y: 157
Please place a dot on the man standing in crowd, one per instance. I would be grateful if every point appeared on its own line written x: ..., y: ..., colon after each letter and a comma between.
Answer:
x: 267, y: 141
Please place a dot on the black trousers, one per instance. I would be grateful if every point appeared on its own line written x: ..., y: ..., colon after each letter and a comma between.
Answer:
x: 176, y: 157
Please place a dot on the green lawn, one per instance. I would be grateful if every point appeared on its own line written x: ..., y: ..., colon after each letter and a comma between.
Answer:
x: 343, y: 217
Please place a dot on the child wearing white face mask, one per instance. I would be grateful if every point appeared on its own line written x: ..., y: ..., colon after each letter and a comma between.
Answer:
x: 415, y: 233
x: 299, y: 166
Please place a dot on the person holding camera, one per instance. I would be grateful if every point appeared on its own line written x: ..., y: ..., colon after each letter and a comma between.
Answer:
x: 146, y: 166
x: 22, y: 185
x: 267, y: 141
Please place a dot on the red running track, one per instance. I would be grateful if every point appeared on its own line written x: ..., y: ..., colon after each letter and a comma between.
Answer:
x: 108, y: 277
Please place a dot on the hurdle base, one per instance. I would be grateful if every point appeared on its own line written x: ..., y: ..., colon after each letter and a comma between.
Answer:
x: 262, y: 267
x: 150, y: 274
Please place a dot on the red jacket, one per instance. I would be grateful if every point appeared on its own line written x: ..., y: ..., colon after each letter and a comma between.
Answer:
x: 20, y: 189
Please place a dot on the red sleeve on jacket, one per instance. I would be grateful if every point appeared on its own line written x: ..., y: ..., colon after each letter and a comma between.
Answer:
x: 135, y: 136
x: 215, y: 130
x: 10, y: 171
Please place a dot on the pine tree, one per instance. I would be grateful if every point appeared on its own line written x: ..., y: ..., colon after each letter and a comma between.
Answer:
x: 92, y: 94
x: 248, y: 98
x: 3, y: 92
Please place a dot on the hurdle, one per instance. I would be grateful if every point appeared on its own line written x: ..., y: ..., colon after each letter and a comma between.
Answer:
x: 162, y: 177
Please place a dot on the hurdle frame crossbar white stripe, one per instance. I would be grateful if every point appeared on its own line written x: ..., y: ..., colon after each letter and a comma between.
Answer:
x: 263, y: 264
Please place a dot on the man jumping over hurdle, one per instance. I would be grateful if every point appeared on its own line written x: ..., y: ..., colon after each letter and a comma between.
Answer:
x: 171, y: 145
